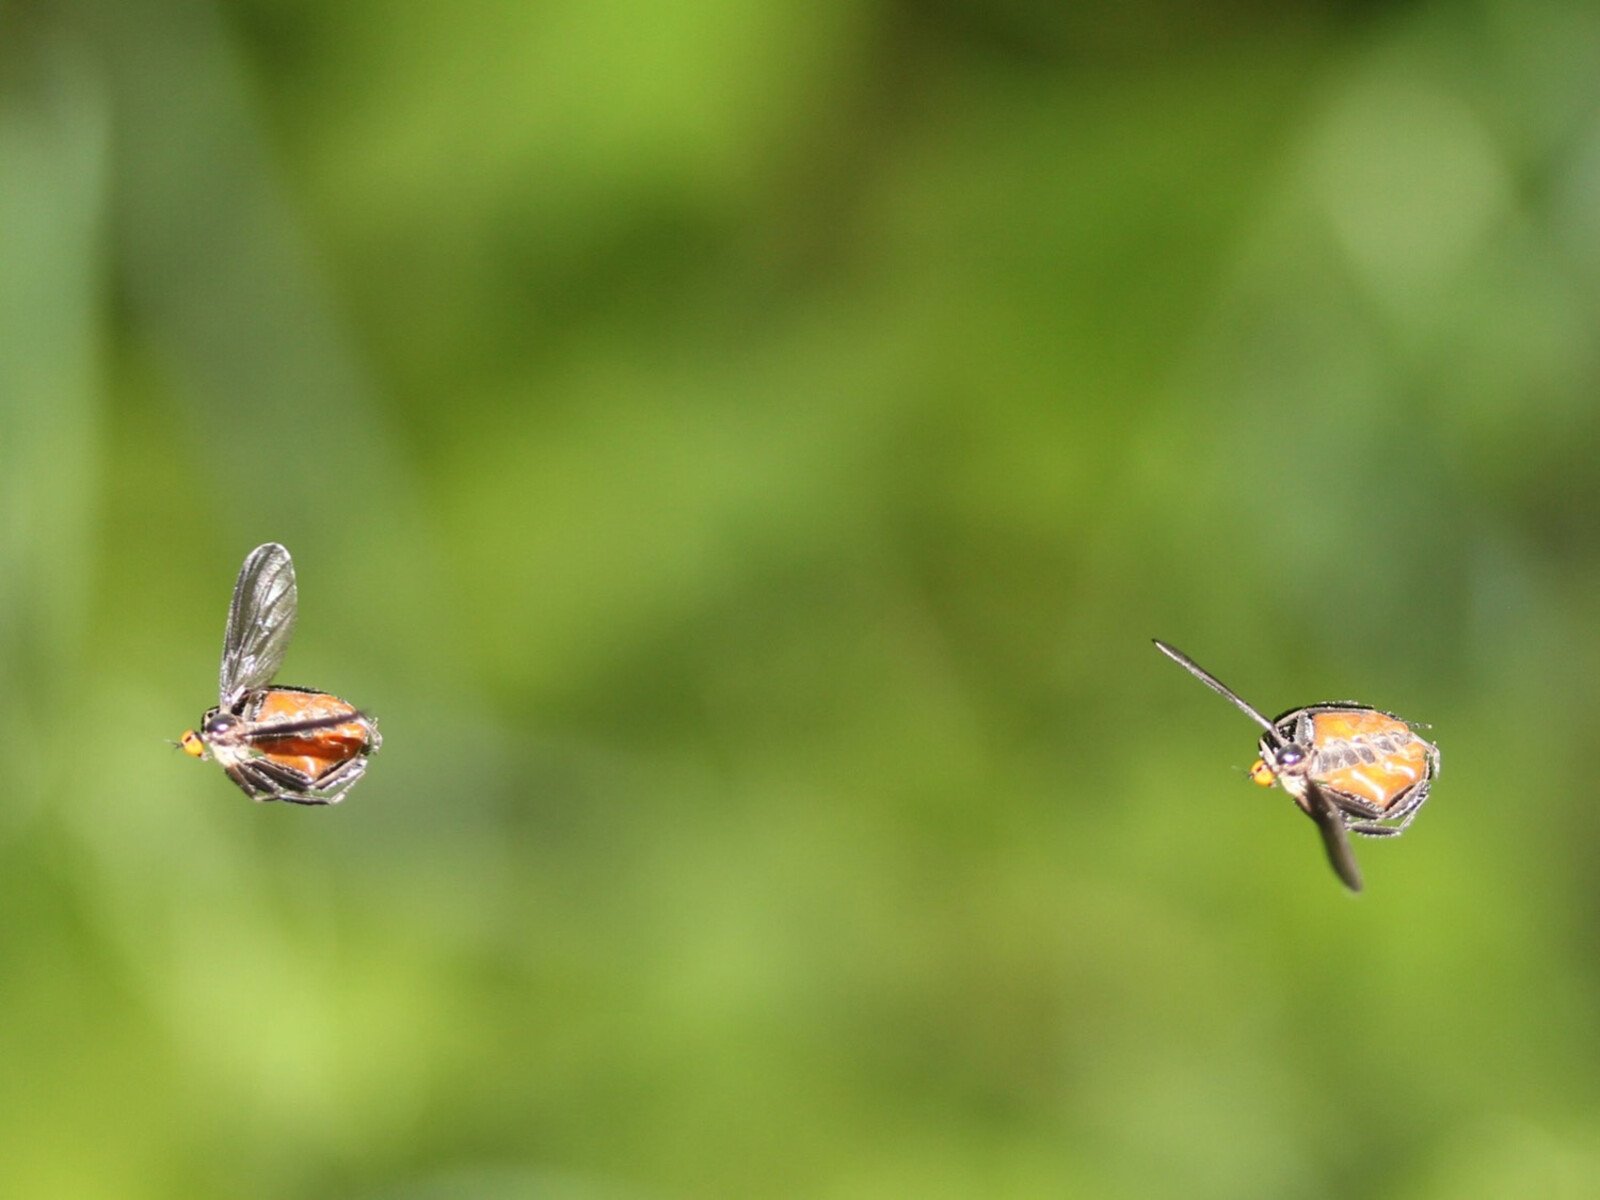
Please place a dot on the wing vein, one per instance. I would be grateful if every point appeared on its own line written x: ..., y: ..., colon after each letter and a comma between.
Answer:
x: 260, y: 622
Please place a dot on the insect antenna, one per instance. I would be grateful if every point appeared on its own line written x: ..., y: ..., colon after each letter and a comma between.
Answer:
x: 1217, y: 686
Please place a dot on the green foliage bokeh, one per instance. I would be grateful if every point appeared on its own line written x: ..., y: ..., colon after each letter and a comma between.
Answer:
x: 741, y: 450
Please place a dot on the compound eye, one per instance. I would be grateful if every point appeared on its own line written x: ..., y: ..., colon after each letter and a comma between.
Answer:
x: 1290, y: 756
x: 220, y: 724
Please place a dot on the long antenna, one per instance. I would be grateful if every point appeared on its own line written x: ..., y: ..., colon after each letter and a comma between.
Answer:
x: 1217, y: 686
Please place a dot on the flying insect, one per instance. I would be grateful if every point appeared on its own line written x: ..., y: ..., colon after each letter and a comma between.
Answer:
x: 277, y: 742
x: 1350, y: 768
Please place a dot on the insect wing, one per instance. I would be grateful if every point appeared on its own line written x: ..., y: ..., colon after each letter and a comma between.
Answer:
x: 260, y: 621
x: 1334, y: 838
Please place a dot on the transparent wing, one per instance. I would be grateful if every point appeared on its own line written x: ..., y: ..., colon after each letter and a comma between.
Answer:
x: 260, y: 620
x: 1335, y: 840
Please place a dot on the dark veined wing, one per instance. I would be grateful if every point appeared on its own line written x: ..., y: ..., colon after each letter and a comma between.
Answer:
x: 1334, y: 838
x: 260, y: 620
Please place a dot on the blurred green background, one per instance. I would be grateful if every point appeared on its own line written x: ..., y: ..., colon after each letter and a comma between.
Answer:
x: 741, y: 450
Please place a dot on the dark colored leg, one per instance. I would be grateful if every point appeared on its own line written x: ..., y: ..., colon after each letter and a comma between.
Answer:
x: 1394, y: 821
x: 279, y: 778
x: 1353, y: 806
x: 292, y: 786
x: 250, y: 784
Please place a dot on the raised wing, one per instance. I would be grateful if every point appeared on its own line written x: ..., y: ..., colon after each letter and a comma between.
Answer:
x: 1335, y: 840
x: 260, y: 620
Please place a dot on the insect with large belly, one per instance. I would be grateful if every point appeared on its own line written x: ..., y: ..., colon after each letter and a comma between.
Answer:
x: 1350, y: 768
x: 277, y: 743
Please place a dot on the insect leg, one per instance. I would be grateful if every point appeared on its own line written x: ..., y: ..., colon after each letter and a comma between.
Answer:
x: 258, y: 784
x: 249, y: 783
x: 296, y: 788
x: 1353, y: 806
x: 330, y: 789
x: 285, y: 783
x: 1401, y: 815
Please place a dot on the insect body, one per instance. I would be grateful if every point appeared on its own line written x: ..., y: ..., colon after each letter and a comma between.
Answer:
x: 277, y: 743
x: 1350, y: 768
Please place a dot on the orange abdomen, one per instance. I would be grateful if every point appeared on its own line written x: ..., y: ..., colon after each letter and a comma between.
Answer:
x: 318, y: 751
x: 1369, y: 755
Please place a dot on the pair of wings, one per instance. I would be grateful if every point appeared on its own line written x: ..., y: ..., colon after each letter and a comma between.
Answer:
x: 260, y: 622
